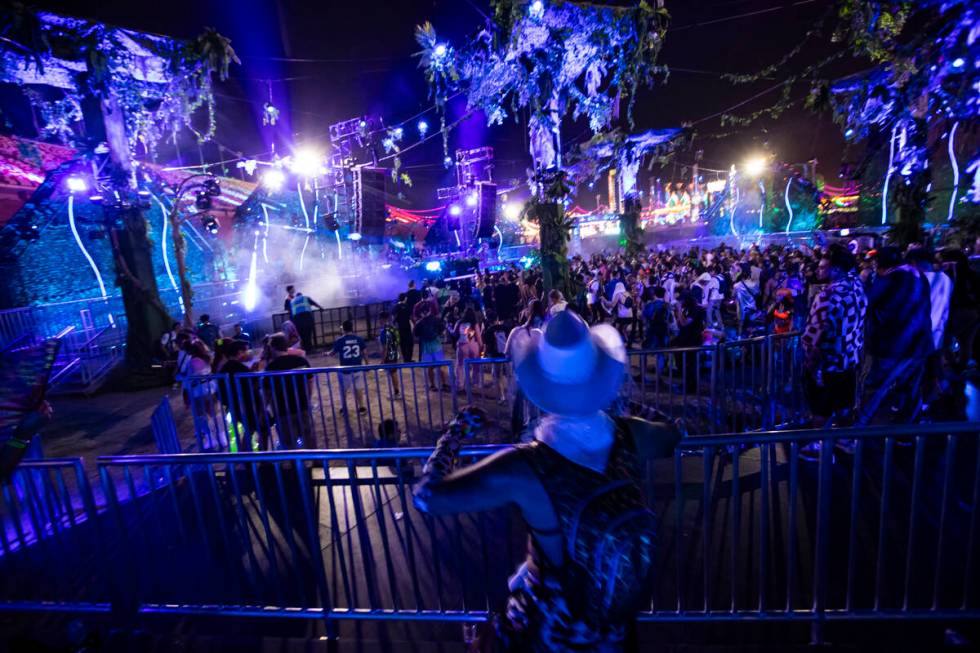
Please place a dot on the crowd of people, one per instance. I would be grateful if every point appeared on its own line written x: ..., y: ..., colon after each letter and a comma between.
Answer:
x: 872, y: 320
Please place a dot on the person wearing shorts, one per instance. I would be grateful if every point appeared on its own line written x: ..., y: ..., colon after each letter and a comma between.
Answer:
x: 428, y: 331
x: 350, y: 349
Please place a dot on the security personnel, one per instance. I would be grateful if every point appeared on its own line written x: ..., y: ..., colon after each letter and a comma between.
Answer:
x: 301, y: 309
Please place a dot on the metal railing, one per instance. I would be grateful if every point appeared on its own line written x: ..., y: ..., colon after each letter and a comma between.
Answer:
x: 53, y: 557
x: 753, y: 527
x: 739, y: 386
x: 327, y: 321
x: 334, y: 407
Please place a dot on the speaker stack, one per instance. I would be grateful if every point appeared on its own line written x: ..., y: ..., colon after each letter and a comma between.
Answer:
x: 370, y: 186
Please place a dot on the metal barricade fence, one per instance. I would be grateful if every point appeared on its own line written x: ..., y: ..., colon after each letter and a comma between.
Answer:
x: 48, y: 532
x: 751, y: 530
x: 680, y: 382
x: 334, y: 407
x: 740, y: 386
x: 327, y: 322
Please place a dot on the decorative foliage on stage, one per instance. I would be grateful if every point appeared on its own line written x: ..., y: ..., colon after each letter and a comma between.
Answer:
x: 926, y: 81
x: 555, y: 58
x: 160, y: 84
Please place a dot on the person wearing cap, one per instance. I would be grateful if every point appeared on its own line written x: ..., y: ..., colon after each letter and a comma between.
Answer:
x: 577, y: 486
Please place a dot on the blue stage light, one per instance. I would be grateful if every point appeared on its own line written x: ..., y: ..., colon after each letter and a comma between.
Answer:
x: 423, y: 127
x: 959, y: 62
x: 433, y: 266
x: 77, y: 185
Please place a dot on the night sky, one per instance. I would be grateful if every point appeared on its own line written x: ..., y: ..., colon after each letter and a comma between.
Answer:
x: 331, y: 61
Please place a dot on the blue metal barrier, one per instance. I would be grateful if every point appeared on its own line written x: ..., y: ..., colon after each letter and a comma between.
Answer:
x: 48, y: 538
x: 751, y: 529
x: 164, y: 429
x: 738, y: 386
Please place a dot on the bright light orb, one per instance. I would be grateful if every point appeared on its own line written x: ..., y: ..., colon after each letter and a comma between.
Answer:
x: 77, y: 185
x: 273, y: 179
x: 306, y: 163
x: 455, y: 209
x: 447, y: 161
x: 355, y: 236
x: 536, y: 9
x: 433, y: 266
x: 754, y: 166
x: 512, y: 211
x: 399, y: 132
x: 251, y: 296
x: 959, y: 62
x: 423, y: 127
x: 440, y: 50
x: 471, y: 200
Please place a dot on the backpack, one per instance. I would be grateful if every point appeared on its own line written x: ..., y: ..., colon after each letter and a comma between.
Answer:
x: 608, y: 530
x: 697, y: 292
x: 391, y: 344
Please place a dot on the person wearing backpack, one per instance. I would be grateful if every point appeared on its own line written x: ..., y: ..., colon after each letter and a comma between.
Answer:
x: 656, y: 314
x: 390, y: 340
x: 578, y: 486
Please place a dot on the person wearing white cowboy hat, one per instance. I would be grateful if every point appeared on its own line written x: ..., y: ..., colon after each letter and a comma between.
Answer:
x: 564, y: 597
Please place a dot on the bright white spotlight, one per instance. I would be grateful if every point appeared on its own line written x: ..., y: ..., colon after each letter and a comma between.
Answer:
x: 440, y: 50
x: 755, y: 166
x: 433, y: 266
x: 959, y: 62
x: 423, y: 127
x: 537, y: 9
x: 455, y: 209
x: 306, y: 163
x: 273, y: 179
x: 398, y: 133
x: 471, y: 200
x: 512, y: 211
x: 355, y: 236
x: 77, y: 184
x: 251, y: 296
x: 447, y: 161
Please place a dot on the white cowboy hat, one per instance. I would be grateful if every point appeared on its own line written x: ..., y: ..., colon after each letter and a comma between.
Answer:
x: 570, y: 369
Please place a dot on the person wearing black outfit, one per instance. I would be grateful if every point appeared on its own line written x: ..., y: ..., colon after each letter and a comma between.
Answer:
x: 291, y: 399
x: 403, y: 320
x: 506, y: 297
x: 244, y: 400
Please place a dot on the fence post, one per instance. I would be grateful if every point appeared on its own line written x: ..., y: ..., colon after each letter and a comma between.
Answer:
x: 822, y: 541
x: 715, y: 410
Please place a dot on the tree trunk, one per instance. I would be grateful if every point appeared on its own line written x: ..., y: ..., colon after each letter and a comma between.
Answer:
x: 554, y: 248
x: 631, y: 234
x: 146, y: 316
x: 180, y: 250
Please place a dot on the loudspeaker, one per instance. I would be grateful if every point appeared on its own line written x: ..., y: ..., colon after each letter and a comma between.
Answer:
x: 486, y: 210
x: 370, y: 186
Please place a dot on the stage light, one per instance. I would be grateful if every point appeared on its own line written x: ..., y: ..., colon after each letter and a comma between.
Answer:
x: 471, y: 200
x: 362, y: 124
x: 388, y: 143
x: 398, y: 133
x: 845, y: 232
x: 433, y: 266
x: 512, y: 211
x: 959, y: 62
x: 251, y: 296
x: 355, y: 236
x: 447, y: 161
x: 306, y: 163
x: 848, y: 133
x: 202, y: 202
x: 210, y: 224
x: 77, y: 185
x: 212, y: 187
x: 755, y: 166
x: 440, y: 50
x: 455, y: 209
x: 273, y: 179
x: 423, y: 127
x: 537, y: 9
